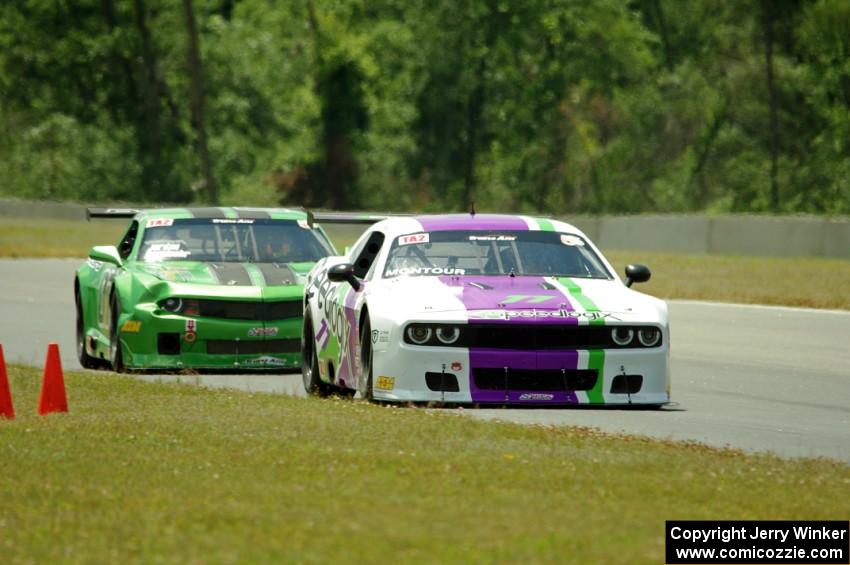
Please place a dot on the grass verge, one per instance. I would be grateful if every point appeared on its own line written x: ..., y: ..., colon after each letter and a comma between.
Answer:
x: 56, y: 238
x: 165, y: 472
x: 809, y: 282
x: 812, y: 282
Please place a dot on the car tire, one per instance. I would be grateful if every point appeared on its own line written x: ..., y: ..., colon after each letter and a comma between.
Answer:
x: 365, y: 384
x: 115, y: 356
x: 313, y: 384
x: 86, y: 360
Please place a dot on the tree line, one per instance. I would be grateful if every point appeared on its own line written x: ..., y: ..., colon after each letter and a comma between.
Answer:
x: 557, y: 106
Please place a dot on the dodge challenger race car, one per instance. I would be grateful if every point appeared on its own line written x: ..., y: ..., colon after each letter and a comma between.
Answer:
x: 482, y: 309
x: 198, y: 288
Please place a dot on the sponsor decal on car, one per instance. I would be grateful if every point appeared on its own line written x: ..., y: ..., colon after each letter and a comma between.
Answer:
x: 385, y: 383
x: 492, y: 238
x: 324, y: 336
x: 161, y: 250
x: 536, y: 396
x: 262, y: 332
x: 131, y: 327
x: 159, y: 222
x: 334, y: 320
x: 232, y: 221
x: 191, y: 331
x: 508, y: 314
x: 414, y: 238
x: 380, y: 340
x: 572, y: 240
x: 408, y: 271
x: 266, y: 361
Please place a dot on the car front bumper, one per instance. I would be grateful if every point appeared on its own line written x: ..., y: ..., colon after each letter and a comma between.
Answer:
x: 153, y: 339
x: 405, y: 373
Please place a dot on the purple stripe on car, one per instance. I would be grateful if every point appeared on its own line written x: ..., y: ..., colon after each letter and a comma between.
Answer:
x: 512, y: 300
x: 490, y: 222
x: 480, y: 358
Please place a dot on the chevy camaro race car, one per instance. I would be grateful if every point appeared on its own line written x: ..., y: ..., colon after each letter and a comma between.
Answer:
x: 482, y: 309
x: 198, y: 288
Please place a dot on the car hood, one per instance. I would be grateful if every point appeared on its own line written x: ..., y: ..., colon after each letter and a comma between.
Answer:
x: 519, y: 297
x: 227, y: 274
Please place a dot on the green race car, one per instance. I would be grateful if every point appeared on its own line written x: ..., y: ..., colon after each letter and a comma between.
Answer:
x: 201, y: 288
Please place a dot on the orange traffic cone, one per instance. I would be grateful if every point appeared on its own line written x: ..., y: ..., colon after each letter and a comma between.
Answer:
x: 6, y: 408
x: 53, y: 385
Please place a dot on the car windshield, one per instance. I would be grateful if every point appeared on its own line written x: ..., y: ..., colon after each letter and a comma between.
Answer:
x: 493, y: 253
x: 232, y: 240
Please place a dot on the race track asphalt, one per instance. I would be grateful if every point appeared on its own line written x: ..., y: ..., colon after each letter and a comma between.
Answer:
x: 750, y: 377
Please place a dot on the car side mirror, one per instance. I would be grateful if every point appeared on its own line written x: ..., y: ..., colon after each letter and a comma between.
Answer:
x: 106, y: 253
x: 344, y: 272
x: 636, y: 273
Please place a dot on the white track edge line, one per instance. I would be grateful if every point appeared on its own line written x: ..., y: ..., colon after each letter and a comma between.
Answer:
x: 759, y: 306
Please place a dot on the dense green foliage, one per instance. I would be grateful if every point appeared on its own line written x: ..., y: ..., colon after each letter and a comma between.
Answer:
x: 549, y: 105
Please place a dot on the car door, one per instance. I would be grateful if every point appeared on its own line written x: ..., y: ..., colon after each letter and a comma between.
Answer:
x: 352, y: 303
x: 336, y: 325
x: 107, y: 274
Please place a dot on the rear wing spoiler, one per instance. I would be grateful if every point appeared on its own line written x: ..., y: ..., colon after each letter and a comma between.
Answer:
x: 114, y: 213
x: 345, y: 218
x: 312, y: 217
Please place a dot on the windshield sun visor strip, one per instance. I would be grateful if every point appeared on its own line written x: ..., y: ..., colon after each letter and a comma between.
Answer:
x: 252, y: 214
x: 207, y: 213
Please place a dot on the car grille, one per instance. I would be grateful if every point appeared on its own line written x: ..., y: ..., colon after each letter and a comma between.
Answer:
x: 535, y: 380
x: 233, y: 347
x: 537, y: 337
x: 245, y: 310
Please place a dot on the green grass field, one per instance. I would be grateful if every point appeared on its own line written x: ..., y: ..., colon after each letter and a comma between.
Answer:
x: 176, y: 473
x: 809, y: 282
x: 56, y: 238
x: 813, y: 282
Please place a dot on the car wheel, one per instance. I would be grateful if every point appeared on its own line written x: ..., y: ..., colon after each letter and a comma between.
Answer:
x: 115, y: 357
x: 86, y: 360
x: 313, y: 383
x: 365, y: 384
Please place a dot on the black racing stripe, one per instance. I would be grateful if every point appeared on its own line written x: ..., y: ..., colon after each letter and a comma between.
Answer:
x: 252, y: 214
x: 276, y: 274
x: 207, y: 213
x: 232, y: 274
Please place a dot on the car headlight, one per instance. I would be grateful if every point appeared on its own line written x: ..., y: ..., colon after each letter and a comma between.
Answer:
x: 186, y: 306
x: 419, y: 334
x: 172, y: 304
x: 448, y: 334
x: 622, y: 336
x: 649, y: 337
x: 433, y: 334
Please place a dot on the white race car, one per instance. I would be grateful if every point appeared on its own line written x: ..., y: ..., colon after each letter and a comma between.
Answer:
x: 482, y: 309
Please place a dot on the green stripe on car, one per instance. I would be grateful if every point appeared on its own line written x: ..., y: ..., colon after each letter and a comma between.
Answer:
x: 256, y: 275
x: 596, y: 358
